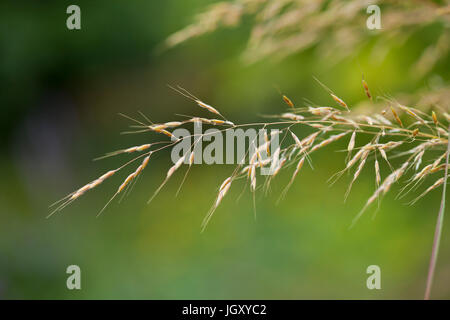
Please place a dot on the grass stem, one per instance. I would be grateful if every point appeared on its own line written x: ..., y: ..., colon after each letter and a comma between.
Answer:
x: 438, y: 230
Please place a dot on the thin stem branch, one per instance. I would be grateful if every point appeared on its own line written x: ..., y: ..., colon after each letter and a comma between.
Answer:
x: 438, y: 230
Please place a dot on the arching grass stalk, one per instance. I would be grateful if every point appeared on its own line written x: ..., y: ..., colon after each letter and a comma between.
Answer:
x: 438, y: 231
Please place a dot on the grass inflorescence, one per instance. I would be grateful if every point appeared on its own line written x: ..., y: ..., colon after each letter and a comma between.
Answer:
x: 411, y: 143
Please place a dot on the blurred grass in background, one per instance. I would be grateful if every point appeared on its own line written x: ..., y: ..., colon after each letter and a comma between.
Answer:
x: 61, y: 92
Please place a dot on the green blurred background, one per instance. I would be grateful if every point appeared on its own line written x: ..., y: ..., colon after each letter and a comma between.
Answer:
x: 60, y: 94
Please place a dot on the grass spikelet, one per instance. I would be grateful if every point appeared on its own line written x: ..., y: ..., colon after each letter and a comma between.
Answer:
x: 279, y: 166
x: 351, y: 142
x: 331, y: 139
x: 345, y: 120
x: 335, y: 97
x: 396, y: 117
x: 377, y: 173
x: 208, y: 107
x: 225, y: 186
x: 167, y: 133
x: 266, y: 139
x: 438, y: 160
x: 288, y: 101
x: 128, y: 150
x: 339, y: 101
x: 357, y: 172
x: 411, y: 113
x: 320, y: 111
x: 383, y: 154
x: 252, y: 177
x: 200, y: 103
x: 383, y: 189
x: 418, y: 159
x: 297, y: 140
x: 439, y: 168
x: 435, y: 185
x: 434, y: 117
x: 133, y: 175
x: 309, y: 140
x: 366, y: 89
x: 126, y: 182
x: 190, y: 162
x: 298, y: 167
x: 292, y: 116
x: 78, y: 193
x: 173, y: 124
x: 170, y: 172
x: 422, y: 173
x: 128, y: 179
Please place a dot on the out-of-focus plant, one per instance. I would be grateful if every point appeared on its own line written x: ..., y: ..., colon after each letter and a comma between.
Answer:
x: 337, y: 28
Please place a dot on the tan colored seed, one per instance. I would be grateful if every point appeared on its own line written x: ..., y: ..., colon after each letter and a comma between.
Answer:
x: 92, y: 185
x: 266, y: 139
x: 288, y: 101
x: 292, y: 116
x: 377, y: 173
x: 125, y: 183
x: 435, y: 185
x: 339, y: 101
x: 396, y: 117
x: 435, y: 120
x: 173, y: 124
x: 207, y: 107
x: 351, y: 143
x: 320, y: 111
x: 411, y: 113
x: 175, y: 166
x: 366, y: 89
x: 297, y: 140
x: 329, y: 140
